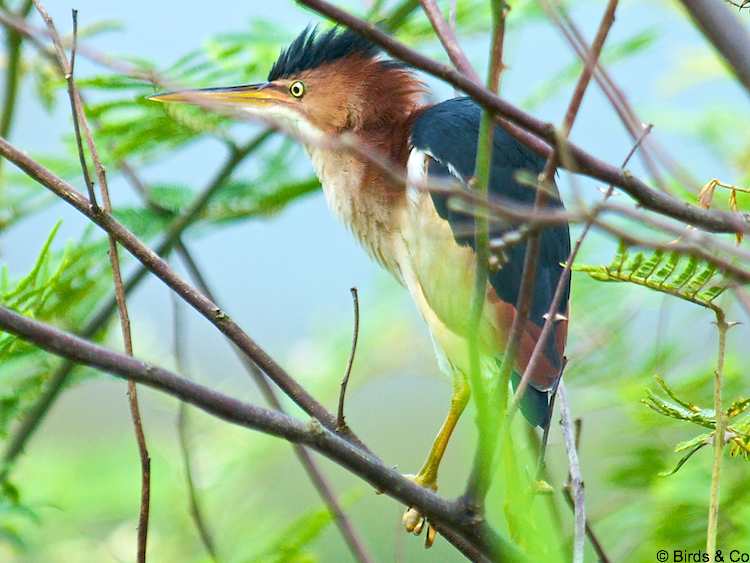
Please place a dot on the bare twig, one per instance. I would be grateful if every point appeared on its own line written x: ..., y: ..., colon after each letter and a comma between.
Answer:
x: 79, y: 120
x: 576, y: 481
x: 38, y: 411
x: 718, y: 438
x: 722, y: 28
x: 312, y: 434
x: 325, y: 490
x: 183, y: 414
x: 551, y: 317
x: 340, y: 419
x: 528, y: 276
x: 448, y: 38
x: 67, y: 71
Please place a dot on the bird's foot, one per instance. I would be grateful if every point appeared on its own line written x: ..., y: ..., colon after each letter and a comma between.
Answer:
x: 414, y: 522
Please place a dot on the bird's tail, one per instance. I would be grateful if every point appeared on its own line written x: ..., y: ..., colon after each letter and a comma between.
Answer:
x: 534, y: 404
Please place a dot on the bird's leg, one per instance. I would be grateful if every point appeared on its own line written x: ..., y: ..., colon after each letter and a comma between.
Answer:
x: 427, y: 476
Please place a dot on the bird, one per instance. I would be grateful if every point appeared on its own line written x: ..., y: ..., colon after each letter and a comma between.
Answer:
x: 326, y: 84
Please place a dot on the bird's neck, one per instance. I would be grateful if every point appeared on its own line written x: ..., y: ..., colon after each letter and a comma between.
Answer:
x: 360, y: 193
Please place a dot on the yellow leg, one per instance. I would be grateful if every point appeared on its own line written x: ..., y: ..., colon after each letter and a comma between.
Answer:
x: 427, y: 477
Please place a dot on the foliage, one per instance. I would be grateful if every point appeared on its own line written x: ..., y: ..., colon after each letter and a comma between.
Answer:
x: 84, y: 508
x: 673, y: 273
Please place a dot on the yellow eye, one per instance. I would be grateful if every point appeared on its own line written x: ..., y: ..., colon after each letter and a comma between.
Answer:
x: 297, y: 89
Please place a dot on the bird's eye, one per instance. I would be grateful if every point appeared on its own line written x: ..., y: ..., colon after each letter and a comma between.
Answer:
x: 297, y: 89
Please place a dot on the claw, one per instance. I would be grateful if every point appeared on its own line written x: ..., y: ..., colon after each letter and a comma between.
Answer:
x: 429, y: 538
x: 413, y: 521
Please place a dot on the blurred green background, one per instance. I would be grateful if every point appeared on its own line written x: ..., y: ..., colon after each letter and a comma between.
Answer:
x: 282, y: 266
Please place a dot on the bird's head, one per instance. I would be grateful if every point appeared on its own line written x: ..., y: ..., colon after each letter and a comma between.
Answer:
x: 332, y: 82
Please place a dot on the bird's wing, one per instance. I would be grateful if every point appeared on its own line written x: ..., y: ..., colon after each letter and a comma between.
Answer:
x: 447, y: 133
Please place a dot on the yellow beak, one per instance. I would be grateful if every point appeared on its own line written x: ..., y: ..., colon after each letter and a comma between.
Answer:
x: 245, y: 95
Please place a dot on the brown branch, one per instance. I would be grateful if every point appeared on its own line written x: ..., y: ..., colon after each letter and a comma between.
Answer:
x: 448, y: 39
x: 341, y: 425
x: 75, y: 109
x: 551, y: 316
x: 161, y: 269
x: 614, y: 94
x: 533, y: 132
x: 528, y: 276
x: 38, y: 411
x: 311, y: 434
x: 80, y: 122
x: 196, y: 508
x: 325, y: 490
x: 727, y: 34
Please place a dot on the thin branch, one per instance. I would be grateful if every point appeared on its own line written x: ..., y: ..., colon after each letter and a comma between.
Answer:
x: 576, y: 481
x: 80, y: 122
x: 196, y: 509
x: 312, y: 434
x: 551, y: 318
x: 718, y: 438
x: 58, y: 379
x: 161, y: 269
x: 340, y: 419
x: 67, y: 71
x: 727, y: 34
x: 352, y: 538
x: 533, y: 132
x: 528, y: 277
x: 448, y: 39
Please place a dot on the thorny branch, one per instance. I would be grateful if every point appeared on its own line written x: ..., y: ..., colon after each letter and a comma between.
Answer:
x: 546, y: 181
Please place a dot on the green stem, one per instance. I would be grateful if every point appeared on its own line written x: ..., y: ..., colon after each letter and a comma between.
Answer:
x: 13, y: 41
x: 713, y: 509
x: 480, y: 478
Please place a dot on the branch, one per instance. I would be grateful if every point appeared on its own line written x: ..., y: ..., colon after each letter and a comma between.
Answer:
x: 546, y: 180
x: 576, y: 481
x: 615, y: 96
x: 196, y: 509
x: 340, y: 419
x: 718, y: 438
x: 551, y: 317
x: 58, y: 379
x: 585, y: 163
x: 80, y: 122
x: 722, y: 28
x: 312, y: 434
x: 448, y: 39
x: 351, y: 537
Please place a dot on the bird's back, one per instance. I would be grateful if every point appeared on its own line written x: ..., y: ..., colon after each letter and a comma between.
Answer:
x: 445, y: 136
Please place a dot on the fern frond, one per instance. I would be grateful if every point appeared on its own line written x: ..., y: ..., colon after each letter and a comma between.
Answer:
x: 682, y: 276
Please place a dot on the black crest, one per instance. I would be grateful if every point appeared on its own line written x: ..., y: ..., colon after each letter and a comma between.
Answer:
x: 312, y: 49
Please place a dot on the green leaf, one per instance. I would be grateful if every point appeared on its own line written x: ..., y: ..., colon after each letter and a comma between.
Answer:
x: 656, y: 271
x: 682, y: 461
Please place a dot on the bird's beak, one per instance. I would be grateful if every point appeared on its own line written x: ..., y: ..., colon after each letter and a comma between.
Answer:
x: 253, y: 95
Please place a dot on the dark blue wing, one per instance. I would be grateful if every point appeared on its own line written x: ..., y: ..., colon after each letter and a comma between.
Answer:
x: 448, y: 133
